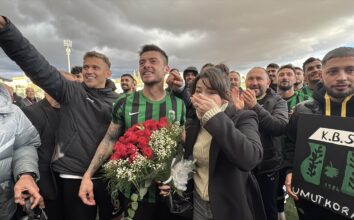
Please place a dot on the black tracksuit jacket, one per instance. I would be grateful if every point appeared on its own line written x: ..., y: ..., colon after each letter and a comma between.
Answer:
x: 85, y: 113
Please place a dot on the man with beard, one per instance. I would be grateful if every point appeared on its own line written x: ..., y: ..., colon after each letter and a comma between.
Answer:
x: 272, y: 114
x: 299, y: 84
x: 189, y: 75
x: 127, y: 83
x: 286, y: 77
x: 272, y: 69
x: 152, y: 102
x: 313, y: 69
x: 333, y: 97
x: 235, y: 79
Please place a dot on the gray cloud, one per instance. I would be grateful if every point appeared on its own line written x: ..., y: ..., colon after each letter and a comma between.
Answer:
x: 240, y: 33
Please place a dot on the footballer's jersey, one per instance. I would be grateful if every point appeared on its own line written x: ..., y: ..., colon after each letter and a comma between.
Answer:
x: 294, y: 100
x: 306, y: 91
x: 136, y: 108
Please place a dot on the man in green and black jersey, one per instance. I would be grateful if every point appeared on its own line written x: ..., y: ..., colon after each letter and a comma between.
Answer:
x: 137, y: 108
x: 286, y: 77
x: 152, y: 102
x: 300, y: 79
x: 312, y: 69
x: 127, y: 83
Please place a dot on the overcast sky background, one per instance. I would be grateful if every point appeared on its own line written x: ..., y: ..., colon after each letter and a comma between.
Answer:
x: 241, y: 34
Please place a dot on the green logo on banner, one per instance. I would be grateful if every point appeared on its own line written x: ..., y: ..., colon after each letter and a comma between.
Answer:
x: 348, y: 181
x: 330, y: 171
x: 311, y: 167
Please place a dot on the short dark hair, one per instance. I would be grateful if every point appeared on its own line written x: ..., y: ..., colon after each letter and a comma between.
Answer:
x: 233, y: 71
x: 98, y: 55
x: 153, y: 47
x: 206, y: 66
x: 309, y: 60
x: 298, y: 68
x: 174, y: 69
x: 287, y: 66
x: 273, y: 65
x: 217, y: 80
x: 128, y: 75
x: 338, y: 52
x: 225, y: 69
x: 76, y: 70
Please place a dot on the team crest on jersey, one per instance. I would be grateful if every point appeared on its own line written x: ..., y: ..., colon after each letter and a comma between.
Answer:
x: 172, y: 115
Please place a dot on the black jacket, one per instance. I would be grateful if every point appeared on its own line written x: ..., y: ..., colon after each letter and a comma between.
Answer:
x: 85, y: 112
x: 235, y: 150
x: 45, y: 119
x: 273, y: 119
x: 315, y: 106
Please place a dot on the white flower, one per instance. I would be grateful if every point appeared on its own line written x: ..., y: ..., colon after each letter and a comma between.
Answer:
x: 180, y: 173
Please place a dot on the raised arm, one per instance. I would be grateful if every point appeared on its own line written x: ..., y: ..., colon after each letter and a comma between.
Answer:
x: 103, y: 151
x: 35, y: 66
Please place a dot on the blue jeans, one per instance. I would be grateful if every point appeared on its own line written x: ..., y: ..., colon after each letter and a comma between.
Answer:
x: 202, y: 209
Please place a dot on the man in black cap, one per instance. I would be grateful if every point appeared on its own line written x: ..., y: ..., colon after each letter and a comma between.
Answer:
x: 189, y: 75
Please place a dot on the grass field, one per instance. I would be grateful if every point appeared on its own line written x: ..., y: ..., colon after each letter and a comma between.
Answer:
x: 290, y: 210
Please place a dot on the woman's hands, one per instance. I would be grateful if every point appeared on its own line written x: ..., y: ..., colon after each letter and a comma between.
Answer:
x: 202, y: 104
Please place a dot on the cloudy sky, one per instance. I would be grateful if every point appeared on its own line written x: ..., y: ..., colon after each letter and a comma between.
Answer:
x: 241, y: 34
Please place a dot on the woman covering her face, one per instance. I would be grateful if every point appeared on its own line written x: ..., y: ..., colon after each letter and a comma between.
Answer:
x: 226, y: 144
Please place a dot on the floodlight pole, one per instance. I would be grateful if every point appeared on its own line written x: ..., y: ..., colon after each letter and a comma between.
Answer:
x: 68, y: 45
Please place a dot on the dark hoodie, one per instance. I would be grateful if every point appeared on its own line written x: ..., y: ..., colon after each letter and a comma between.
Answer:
x: 315, y: 106
x: 85, y: 112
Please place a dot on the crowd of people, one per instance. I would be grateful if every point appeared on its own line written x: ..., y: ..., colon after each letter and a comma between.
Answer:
x: 243, y: 139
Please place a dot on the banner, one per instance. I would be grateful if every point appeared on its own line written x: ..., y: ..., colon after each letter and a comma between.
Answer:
x: 324, y: 162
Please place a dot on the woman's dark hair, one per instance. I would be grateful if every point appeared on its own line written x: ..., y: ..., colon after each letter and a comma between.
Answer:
x: 218, y: 81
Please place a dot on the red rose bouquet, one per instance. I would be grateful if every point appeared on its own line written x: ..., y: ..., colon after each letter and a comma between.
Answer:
x: 142, y: 156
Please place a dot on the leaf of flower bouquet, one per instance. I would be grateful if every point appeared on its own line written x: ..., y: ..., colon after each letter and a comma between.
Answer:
x: 131, y: 213
x: 134, y: 197
x: 134, y: 206
x: 142, y: 192
x: 148, y: 183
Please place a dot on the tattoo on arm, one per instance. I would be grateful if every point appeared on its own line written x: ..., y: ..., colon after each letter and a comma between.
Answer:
x: 105, y: 148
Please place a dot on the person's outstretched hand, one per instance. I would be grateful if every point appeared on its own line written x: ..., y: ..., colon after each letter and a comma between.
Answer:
x: 174, y: 80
